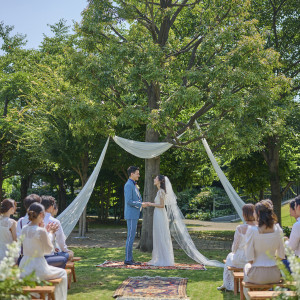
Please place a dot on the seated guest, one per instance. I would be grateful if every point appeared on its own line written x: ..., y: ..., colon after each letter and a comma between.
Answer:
x: 237, y: 257
x: 60, y: 239
x: 263, y: 243
x: 7, y: 226
x: 55, y: 211
x: 25, y: 220
x: 35, y: 245
x: 294, y: 241
x: 53, y: 260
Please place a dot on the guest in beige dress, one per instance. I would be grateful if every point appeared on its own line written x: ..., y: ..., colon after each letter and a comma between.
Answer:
x: 263, y: 244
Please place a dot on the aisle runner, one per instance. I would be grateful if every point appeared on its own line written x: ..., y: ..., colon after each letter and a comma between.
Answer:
x: 152, y: 288
x: 144, y: 266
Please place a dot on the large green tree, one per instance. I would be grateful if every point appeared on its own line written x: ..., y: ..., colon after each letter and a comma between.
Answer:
x: 163, y: 65
x: 16, y: 88
x: 280, y: 20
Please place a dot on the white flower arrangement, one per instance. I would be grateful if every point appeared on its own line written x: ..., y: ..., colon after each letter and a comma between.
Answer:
x: 293, y: 278
x: 11, y: 282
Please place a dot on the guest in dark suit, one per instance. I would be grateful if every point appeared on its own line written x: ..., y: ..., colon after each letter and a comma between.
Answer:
x: 133, y: 206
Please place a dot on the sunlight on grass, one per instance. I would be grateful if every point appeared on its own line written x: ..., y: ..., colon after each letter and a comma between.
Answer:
x: 286, y: 219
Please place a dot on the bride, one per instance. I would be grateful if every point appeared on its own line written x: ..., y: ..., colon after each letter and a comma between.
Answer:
x: 162, y: 254
x: 167, y: 220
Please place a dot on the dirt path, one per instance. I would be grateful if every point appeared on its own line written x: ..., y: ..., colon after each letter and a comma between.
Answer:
x: 116, y: 237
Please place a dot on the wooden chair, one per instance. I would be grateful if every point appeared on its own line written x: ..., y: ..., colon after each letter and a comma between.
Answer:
x: 237, y: 279
x: 55, y: 281
x: 259, y: 287
x: 234, y: 269
x: 69, y: 275
x: 42, y: 291
x: 258, y: 295
x: 71, y: 265
x: 76, y: 258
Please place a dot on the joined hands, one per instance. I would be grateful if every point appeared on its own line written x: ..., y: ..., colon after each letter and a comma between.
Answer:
x: 146, y: 204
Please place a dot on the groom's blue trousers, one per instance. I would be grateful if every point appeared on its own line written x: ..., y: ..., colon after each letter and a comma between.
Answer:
x: 131, y: 230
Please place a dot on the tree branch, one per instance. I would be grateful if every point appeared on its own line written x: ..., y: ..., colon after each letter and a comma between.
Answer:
x: 206, y: 107
x: 118, y: 34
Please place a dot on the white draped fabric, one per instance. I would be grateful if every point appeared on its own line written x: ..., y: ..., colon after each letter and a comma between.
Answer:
x: 235, y: 199
x: 142, y: 149
x: 70, y: 216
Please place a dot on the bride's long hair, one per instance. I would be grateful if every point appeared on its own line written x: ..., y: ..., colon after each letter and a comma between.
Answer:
x: 162, y: 181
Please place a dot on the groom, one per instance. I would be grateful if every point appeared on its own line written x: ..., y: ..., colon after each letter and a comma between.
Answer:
x: 133, y: 207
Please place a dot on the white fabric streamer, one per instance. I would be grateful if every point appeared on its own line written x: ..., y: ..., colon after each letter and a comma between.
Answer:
x: 142, y: 149
x: 70, y: 216
x: 179, y: 231
x: 235, y: 199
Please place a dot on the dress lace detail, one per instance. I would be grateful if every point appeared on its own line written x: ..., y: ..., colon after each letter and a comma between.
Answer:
x: 162, y: 254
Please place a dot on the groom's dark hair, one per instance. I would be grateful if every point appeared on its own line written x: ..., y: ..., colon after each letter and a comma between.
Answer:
x: 132, y: 169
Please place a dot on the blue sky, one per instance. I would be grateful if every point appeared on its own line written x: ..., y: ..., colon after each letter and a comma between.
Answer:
x: 31, y: 17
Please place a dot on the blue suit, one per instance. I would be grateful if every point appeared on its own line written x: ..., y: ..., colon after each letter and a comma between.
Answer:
x: 133, y: 204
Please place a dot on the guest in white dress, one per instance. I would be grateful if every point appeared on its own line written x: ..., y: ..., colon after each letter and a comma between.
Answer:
x: 7, y: 226
x: 263, y: 244
x: 35, y: 245
x: 237, y: 257
x: 162, y: 254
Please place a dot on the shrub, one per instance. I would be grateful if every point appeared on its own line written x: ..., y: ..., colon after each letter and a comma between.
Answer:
x: 286, y: 231
x: 195, y: 205
x: 10, y: 281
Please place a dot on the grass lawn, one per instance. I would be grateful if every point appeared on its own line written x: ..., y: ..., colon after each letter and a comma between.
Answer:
x: 100, y: 283
x: 286, y: 219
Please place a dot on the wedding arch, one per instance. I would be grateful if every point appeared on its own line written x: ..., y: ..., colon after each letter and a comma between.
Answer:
x: 70, y: 216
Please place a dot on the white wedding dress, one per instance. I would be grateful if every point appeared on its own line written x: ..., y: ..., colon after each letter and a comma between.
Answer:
x: 5, y: 234
x: 236, y: 258
x: 35, y: 245
x: 162, y: 254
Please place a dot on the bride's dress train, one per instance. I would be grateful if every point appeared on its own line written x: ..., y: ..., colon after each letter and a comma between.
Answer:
x: 171, y: 221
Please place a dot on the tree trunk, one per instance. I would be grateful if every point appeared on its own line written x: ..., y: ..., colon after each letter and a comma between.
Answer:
x: 271, y: 156
x: 261, y: 194
x: 62, y: 195
x: 150, y: 190
x: 84, y: 179
x: 1, y: 176
x: 107, y: 201
x: 25, y: 185
x: 152, y: 167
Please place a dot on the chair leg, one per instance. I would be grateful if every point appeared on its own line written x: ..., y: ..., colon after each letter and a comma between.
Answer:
x: 242, y: 295
x: 236, y: 284
x: 73, y: 273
